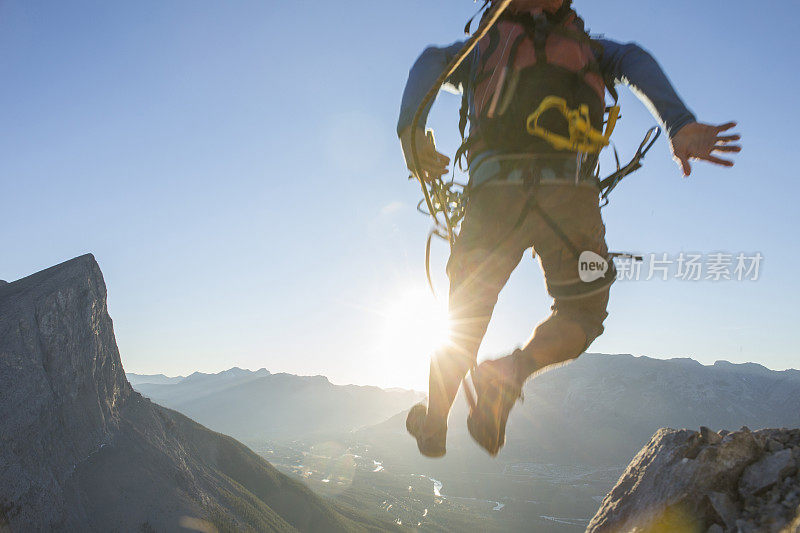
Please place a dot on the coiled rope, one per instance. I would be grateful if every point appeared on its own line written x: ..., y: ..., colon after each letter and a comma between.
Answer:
x: 436, y: 199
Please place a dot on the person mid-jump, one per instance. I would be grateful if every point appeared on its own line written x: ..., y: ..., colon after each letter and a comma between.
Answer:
x: 526, y: 85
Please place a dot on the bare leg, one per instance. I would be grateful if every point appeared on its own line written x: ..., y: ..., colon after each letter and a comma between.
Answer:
x: 478, y: 270
x: 471, y: 304
x: 554, y: 341
x: 563, y: 336
x: 447, y: 372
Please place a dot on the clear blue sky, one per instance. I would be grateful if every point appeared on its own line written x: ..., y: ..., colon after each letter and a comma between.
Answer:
x: 234, y: 169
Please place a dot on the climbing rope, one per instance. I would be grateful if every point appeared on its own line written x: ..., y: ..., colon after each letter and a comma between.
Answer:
x: 434, y: 191
x: 440, y: 198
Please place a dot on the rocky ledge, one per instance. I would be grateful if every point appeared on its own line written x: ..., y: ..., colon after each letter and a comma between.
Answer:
x: 683, y: 480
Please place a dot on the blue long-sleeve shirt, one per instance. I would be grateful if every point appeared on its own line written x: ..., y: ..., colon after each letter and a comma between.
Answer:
x: 626, y: 64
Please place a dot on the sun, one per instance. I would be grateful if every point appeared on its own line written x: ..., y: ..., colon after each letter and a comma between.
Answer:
x: 415, y: 325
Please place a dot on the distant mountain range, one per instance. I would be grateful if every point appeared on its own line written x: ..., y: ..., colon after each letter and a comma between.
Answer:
x: 598, y: 410
x: 82, y: 451
x: 257, y: 406
x: 160, y: 379
x: 601, y: 409
x: 605, y: 408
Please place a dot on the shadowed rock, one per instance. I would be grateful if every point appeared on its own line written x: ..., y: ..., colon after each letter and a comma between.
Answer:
x: 61, y: 387
x: 766, y: 473
x: 81, y: 451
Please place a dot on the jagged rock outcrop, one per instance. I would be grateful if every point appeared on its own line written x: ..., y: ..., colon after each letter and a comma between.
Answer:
x: 81, y: 451
x: 712, y: 482
x: 61, y: 386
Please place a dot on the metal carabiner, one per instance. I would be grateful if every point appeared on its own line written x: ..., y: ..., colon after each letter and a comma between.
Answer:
x: 610, y: 182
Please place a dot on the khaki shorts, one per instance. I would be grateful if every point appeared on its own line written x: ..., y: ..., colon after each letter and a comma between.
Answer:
x: 489, y: 248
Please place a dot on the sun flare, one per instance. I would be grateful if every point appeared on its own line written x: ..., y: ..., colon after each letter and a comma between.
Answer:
x: 415, y: 325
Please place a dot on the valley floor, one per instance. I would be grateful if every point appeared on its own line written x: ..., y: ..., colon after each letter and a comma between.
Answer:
x: 517, y: 497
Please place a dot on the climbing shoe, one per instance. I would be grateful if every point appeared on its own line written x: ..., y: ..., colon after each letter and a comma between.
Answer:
x: 430, y: 443
x: 497, y: 388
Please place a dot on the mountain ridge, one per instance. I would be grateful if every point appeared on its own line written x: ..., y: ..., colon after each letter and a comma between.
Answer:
x: 164, y: 379
x: 245, y: 404
x: 720, y: 364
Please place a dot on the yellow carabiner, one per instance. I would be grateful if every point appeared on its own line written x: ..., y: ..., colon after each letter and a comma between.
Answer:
x: 582, y: 136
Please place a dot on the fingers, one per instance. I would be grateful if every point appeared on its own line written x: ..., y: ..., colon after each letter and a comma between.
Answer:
x: 433, y: 174
x: 429, y: 177
x: 727, y: 148
x: 722, y: 143
x: 434, y: 162
x: 705, y: 142
x: 428, y: 169
x: 717, y: 161
x: 725, y: 127
x: 432, y: 169
x: 431, y: 163
x: 685, y: 166
x: 428, y: 153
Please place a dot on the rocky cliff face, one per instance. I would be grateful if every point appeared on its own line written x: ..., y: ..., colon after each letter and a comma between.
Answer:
x: 61, y: 385
x: 81, y: 451
x: 711, y: 482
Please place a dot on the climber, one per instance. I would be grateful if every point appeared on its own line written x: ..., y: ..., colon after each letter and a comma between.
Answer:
x: 534, y: 69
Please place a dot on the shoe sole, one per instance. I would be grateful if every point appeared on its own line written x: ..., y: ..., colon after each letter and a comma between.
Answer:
x: 487, y: 426
x: 414, y: 420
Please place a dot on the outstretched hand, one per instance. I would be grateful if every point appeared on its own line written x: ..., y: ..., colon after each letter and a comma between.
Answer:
x: 703, y: 142
x: 432, y: 164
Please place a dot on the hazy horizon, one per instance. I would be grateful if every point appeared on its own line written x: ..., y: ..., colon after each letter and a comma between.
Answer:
x: 423, y: 389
